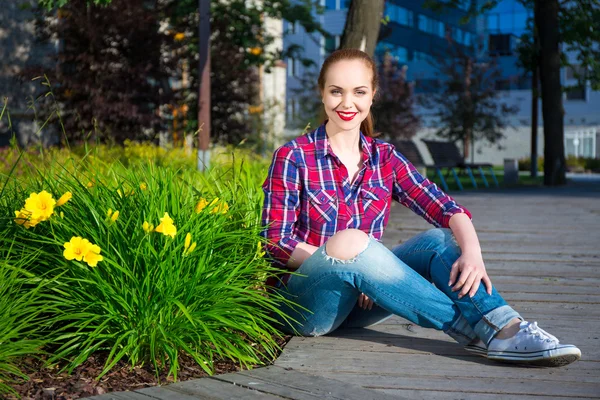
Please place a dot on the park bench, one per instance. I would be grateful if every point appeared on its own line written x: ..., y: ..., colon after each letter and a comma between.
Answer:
x: 447, y: 155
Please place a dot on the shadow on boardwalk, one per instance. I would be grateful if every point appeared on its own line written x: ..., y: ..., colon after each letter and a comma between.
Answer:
x: 542, y: 250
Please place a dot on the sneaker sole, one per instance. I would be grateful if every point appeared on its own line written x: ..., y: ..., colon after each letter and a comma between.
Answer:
x: 563, y: 355
x: 480, y: 351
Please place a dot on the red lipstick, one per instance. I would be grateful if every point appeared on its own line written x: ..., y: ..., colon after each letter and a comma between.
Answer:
x: 346, y: 116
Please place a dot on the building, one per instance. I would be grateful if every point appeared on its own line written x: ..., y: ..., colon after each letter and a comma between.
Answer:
x: 414, y: 35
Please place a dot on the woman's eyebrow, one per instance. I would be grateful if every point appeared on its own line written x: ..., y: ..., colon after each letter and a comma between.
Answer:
x: 358, y: 87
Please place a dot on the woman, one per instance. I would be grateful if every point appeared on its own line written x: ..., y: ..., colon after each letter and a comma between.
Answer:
x: 327, y: 202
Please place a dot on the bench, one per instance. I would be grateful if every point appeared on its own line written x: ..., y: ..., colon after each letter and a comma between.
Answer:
x: 447, y: 155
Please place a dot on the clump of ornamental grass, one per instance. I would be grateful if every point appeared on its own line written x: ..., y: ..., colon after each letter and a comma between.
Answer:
x: 146, y: 263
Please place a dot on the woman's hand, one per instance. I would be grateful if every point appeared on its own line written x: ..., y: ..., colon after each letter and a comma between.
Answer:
x: 470, y: 270
x: 365, y: 302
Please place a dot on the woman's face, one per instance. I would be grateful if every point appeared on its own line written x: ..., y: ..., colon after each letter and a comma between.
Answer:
x: 348, y: 94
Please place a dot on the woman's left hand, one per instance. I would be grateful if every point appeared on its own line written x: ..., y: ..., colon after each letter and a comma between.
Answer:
x: 365, y: 302
x: 470, y: 271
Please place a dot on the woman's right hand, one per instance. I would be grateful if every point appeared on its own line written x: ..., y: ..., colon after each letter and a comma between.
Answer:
x: 365, y: 302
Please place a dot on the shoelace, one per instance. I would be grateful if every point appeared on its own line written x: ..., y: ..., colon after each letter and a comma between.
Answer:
x: 536, y: 331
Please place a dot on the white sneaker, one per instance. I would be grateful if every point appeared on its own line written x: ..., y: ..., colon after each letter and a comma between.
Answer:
x: 477, y: 347
x: 533, y: 345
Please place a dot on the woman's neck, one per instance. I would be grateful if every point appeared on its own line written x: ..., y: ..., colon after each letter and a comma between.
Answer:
x: 343, y: 142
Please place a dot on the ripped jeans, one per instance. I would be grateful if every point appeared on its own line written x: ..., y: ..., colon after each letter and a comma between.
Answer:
x: 399, y: 282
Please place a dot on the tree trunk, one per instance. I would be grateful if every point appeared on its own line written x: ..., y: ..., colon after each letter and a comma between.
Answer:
x: 362, y: 25
x: 535, y: 96
x: 204, y: 87
x: 546, y: 20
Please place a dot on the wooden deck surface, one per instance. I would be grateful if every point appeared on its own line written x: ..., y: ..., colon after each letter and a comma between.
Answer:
x: 542, y: 251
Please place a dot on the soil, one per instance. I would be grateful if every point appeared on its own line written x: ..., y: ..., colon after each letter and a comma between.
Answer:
x: 48, y: 384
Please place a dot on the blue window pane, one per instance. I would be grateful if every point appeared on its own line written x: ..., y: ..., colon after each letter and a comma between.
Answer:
x: 330, y: 4
x: 423, y: 23
x: 492, y: 22
x: 506, y: 22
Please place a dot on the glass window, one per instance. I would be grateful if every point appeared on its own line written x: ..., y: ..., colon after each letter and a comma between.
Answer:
x: 577, y: 93
x: 423, y: 23
x: 492, y: 22
x: 330, y: 4
x: 400, y: 54
x: 401, y: 15
x: 506, y: 22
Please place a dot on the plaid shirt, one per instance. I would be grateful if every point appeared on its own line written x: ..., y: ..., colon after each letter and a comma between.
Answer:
x: 309, y: 197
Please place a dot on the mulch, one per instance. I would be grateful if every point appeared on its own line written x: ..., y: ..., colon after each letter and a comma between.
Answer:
x: 48, y: 384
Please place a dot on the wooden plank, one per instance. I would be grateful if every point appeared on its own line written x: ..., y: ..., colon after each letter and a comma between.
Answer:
x: 121, y: 396
x: 209, y: 388
x: 294, y: 384
x: 320, y: 358
x: 165, y: 393
x: 498, y: 385
x: 423, y: 394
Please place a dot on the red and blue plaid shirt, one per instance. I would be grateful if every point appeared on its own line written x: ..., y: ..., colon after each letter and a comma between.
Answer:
x: 309, y: 197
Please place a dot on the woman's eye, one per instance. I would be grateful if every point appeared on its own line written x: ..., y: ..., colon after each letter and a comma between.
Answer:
x: 360, y: 92
x: 335, y: 91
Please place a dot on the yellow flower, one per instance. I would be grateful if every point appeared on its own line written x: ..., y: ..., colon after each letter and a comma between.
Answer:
x: 166, y: 226
x: 23, y: 217
x: 92, y: 257
x: 260, y: 251
x: 143, y: 186
x: 221, y: 208
x: 109, y: 213
x: 179, y: 36
x: 255, y: 51
x: 64, y: 198
x: 90, y: 184
x: 40, y: 205
x: 192, y: 247
x: 81, y: 249
x: 115, y: 216
x: 119, y: 193
x: 202, y: 203
x: 148, y: 227
x: 76, y: 248
x: 188, y: 240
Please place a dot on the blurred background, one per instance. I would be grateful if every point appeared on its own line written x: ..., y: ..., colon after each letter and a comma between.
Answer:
x: 476, y: 73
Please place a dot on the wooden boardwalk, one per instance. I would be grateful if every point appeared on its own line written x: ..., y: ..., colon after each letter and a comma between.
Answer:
x: 542, y: 251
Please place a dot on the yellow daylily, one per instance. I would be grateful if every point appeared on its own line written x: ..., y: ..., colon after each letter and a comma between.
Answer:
x: 166, y: 226
x: 76, y: 248
x: 192, y: 247
x: 148, y: 227
x: 64, y: 198
x: 188, y: 240
x: 40, y: 205
x: 201, y: 205
x: 23, y: 217
x: 114, y: 216
x: 221, y: 208
x: 92, y: 257
x: 80, y: 249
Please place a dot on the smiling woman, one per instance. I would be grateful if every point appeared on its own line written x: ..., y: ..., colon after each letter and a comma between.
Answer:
x: 327, y: 203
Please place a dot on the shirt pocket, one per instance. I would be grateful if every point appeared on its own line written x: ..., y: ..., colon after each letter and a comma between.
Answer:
x: 374, y: 201
x: 322, y: 205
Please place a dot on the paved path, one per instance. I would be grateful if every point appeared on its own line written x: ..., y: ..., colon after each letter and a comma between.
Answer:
x: 542, y: 250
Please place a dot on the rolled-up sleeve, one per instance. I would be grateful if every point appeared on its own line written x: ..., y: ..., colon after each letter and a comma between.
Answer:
x: 421, y: 195
x: 281, y: 206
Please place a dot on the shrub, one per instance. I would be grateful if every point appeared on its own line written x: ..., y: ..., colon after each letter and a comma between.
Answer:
x: 525, y: 164
x: 171, y: 265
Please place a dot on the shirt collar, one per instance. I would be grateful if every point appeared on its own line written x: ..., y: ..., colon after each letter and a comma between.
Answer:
x: 323, y: 147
